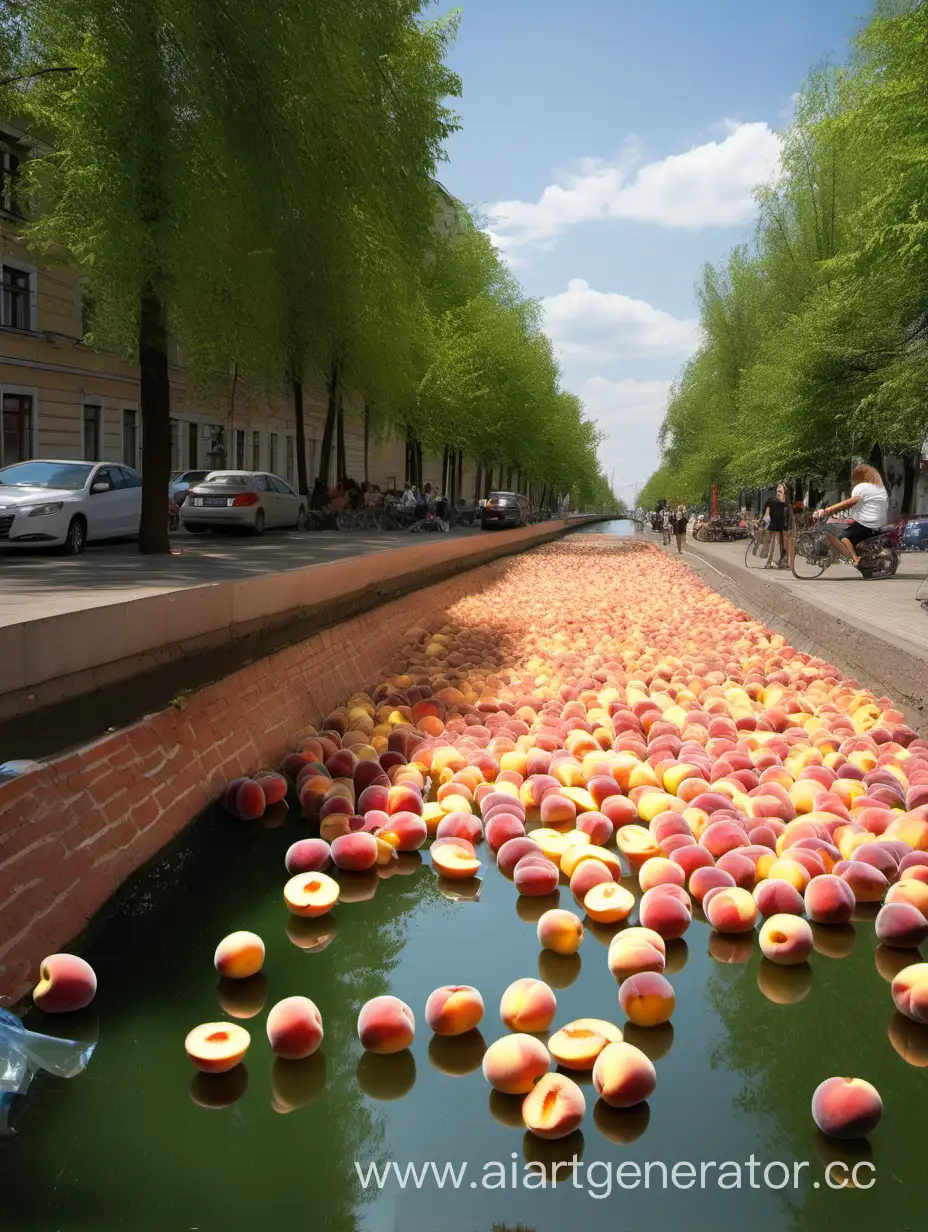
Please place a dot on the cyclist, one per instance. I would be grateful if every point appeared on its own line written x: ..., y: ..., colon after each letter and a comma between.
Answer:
x: 870, y: 503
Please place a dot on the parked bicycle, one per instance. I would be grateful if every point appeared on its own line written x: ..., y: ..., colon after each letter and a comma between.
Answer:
x: 813, y: 554
x: 757, y: 551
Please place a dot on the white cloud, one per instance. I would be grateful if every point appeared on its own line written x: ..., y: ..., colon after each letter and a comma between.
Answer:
x: 629, y: 413
x: 710, y: 185
x: 585, y: 324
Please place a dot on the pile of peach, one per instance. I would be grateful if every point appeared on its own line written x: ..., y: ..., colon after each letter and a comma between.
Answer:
x: 596, y: 714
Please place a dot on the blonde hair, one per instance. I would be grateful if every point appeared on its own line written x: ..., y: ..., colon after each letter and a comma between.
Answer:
x: 866, y: 474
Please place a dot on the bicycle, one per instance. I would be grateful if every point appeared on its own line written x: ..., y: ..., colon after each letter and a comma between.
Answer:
x: 758, y: 547
x: 813, y: 553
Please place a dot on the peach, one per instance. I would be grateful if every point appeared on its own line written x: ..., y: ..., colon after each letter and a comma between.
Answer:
x: 619, y: 810
x: 66, y: 983
x: 901, y: 925
x: 691, y: 858
x: 354, y: 853
x: 913, y: 892
x: 334, y: 826
x: 404, y: 798
x: 665, y: 913
x: 454, y: 1009
x: 790, y: 870
x: 404, y: 831
x: 731, y: 911
x: 239, y: 955
x: 647, y: 998
x: 311, y: 894
x: 579, y: 853
x: 245, y: 800
x: 502, y: 827
x: 460, y: 825
x: 868, y: 883
x: 514, y: 1064
x: 454, y: 862
x: 608, y: 902
x: 216, y: 1047
x: 778, y: 898
x: 660, y: 871
x: 741, y: 867
x: 294, y: 1028
x: 910, y: 992
x: 846, y: 1108
x: 705, y: 879
x: 579, y: 1043
x: 512, y: 852
x: 597, y: 826
x: 308, y: 855
x: 557, y: 810
x: 636, y: 950
x: 554, y: 1108
x: 535, y: 876
x: 589, y: 874
x: 386, y: 1025
x: 636, y: 844
x: 623, y: 1076
x: 528, y: 1005
x: 786, y: 940
x: 829, y: 900
x: 560, y: 931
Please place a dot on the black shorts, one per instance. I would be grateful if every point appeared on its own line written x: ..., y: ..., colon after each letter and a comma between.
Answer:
x: 856, y: 533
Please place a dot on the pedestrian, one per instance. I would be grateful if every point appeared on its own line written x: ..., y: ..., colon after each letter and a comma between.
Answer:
x: 679, y: 526
x: 666, y: 522
x: 775, y: 511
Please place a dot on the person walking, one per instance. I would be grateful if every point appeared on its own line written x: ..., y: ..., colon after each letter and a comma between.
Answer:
x: 666, y: 522
x: 775, y: 511
x: 679, y: 526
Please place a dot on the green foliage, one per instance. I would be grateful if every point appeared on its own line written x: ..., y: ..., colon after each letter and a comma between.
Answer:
x: 815, y: 339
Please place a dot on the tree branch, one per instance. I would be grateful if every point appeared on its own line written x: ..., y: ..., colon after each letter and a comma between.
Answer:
x: 41, y: 72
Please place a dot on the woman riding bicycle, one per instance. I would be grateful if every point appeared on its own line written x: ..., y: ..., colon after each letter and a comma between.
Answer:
x: 870, y: 503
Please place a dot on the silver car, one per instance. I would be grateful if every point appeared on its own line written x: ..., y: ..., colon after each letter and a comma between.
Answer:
x: 242, y: 500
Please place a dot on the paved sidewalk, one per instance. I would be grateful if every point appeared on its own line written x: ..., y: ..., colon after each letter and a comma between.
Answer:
x: 886, y: 608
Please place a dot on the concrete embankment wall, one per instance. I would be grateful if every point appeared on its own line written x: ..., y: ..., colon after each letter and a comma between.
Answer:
x: 72, y: 831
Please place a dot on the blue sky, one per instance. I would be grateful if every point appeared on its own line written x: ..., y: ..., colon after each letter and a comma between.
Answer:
x: 612, y: 145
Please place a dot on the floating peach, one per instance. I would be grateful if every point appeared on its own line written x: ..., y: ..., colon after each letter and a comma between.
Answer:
x: 647, y: 998
x: 311, y: 894
x: 514, y: 1063
x: 705, y: 879
x: 216, y: 1047
x: 294, y: 1028
x: 239, y: 955
x: 535, y: 877
x: 501, y: 828
x: 404, y: 831
x: 846, y: 1108
x: 245, y: 799
x: 454, y: 862
x: 66, y: 983
x: 460, y: 825
x: 608, y: 902
x: 901, y: 925
x: 386, y: 1025
x: 560, y: 931
x: 308, y: 855
x: 554, y: 1107
x: 528, y: 1005
x: 579, y: 1043
x: 910, y: 992
x: 454, y: 1009
x: 623, y: 1076
x: 587, y: 875
x: 829, y: 900
x: 778, y: 898
x: 354, y: 853
x: 913, y: 892
x: 634, y: 951
x: 660, y: 871
x: 731, y: 911
x: 786, y: 940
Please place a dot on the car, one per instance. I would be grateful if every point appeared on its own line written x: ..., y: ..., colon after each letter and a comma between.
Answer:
x: 505, y: 509
x: 61, y: 503
x: 242, y: 500
x: 915, y: 533
x: 181, y: 482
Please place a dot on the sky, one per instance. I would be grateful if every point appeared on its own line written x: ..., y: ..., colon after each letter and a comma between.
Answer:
x: 611, y: 147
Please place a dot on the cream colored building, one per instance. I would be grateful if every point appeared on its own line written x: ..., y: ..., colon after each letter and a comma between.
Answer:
x: 62, y: 399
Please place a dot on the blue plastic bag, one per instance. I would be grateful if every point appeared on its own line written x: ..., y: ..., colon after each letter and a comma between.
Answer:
x: 23, y: 1053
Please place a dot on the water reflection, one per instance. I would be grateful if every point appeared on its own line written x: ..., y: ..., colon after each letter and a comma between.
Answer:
x: 243, y: 998
x: 841, y: 1158
x: 889, y: 961
x: 654, y: 1042
x: 621, y: 1125
x: 551, y: 1159
x: 910, y: 1040
x: 506, y: 1110
x: 559, y: 970
x: 457, y: 1055
x: 358, y: 887
x: 312, y: 935
x: 677, y: 952
x: 731, y: 948
x: 833, y: 940
x: 460, y: 891
x: 531, y: 908
x: 784, y: 985
x: 219, y: 1090
x: 294, y: 1084
x: 389, y: 1077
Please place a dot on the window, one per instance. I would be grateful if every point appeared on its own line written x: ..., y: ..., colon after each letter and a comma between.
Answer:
x: 255, y: 450
x: 290, y: 459
x: 262, y: 483
x: 130, y: 443
x: 109, y: 475
x: 128, y: 478
x: 272, y: 452
x: 16, y: 307
x: 10, y: 163
x: 279, y: 486
x: 93, y: 432
x: 16, y: 438
x: 240, y: 448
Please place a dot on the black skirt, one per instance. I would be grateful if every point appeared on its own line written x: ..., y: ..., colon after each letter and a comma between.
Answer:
x: 777, y: 511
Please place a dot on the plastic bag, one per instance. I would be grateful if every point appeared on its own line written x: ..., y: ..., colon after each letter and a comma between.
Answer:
x: 24, y: 1053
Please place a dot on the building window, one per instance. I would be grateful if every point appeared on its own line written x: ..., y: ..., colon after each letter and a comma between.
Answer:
x: 10, y: 163
x: 130, y: 442
x: 290, y: 459
x: 16, y: 438
x: 272, y: 452
x: 256, y: 451
x: 16, y: 306
x: 93, y: 432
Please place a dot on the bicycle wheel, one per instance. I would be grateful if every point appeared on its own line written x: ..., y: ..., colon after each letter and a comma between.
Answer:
x: 344, y: 519
x: 808, y: 561
x: 755, y: 553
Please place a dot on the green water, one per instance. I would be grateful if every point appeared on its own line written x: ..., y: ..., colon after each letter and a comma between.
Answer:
x: 124, y: 1146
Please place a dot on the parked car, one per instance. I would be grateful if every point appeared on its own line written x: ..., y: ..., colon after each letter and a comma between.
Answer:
x: 915, y: 534
x: 242, y: 500
x: 506, y: 509
x: 181, y: 482
x: 66, y: 504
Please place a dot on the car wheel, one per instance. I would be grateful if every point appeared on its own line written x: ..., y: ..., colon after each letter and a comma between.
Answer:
x: 258, y: 528
x: 76, y: 539
x: 301, y: 519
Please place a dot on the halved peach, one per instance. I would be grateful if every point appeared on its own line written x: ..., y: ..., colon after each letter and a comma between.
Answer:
x: 579, y: 1043
x: 554, y: 1108
x: 311, y: 894
x: 215, y: 1047
x: 454, y: 862
x: 608, y: 903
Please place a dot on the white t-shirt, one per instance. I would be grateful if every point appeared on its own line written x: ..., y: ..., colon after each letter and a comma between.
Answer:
x: 872, y: 508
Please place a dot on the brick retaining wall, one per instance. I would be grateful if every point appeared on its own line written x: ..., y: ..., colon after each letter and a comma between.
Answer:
x: 75, y: 829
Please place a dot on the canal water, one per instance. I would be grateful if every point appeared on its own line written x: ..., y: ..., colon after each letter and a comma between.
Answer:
x: 134, y: 1144
x: 619, y: 526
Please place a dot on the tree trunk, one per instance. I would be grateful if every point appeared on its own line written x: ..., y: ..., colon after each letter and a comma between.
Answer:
x: 488, y: 487
x: 302, y: 479
x: 459, y: 486
x: 478, y: 480
x: 328, y: 432
x: 341, y: 462
x: 417, y: 454
x: 155, y: 400
x: 367, y: 439
x: 444, y: 471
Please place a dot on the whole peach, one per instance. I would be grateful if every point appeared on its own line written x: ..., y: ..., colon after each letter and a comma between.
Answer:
x: 454, y: 1009
x: 514, y: 1063
x: 786, y: 940
x: 910, y: 992
x: 846, y: 1107
x: 623, y: 1076
x: 308, y: 855
x: 560, y: 931
x: 66, y: 983
x: 648, y: 999
x: 528, y: 1005
x: 239, y: 955
x: 386, y: 1025
x: 294, y: 1028
x: 901, y: 925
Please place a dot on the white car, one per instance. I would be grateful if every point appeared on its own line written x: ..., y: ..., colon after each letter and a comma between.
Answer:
x: 66, y: 504
x: 242, y: 500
